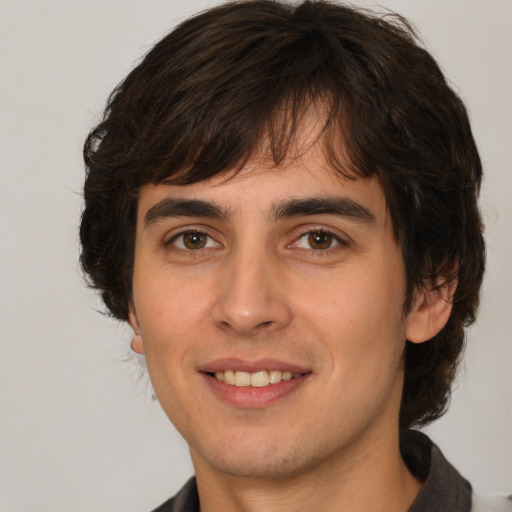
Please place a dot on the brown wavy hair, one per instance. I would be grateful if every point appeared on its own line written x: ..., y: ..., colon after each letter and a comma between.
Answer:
x: 204, y: 98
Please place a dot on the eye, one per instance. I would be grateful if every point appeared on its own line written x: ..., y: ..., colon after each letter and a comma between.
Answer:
x: 192, y: 241
x: 317, y: 240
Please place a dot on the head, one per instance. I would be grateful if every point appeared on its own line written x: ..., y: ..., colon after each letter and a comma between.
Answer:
x: 239, y: 83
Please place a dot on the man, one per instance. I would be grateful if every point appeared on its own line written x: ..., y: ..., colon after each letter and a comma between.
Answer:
x: 281, y: 201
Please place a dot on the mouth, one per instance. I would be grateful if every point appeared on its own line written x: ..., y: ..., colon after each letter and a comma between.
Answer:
x: 254, y: 384
x: 258, y: 379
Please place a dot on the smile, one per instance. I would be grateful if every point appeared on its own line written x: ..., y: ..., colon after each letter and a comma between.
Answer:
x: 257, y: 379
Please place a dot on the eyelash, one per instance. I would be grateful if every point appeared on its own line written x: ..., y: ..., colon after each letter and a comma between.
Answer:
x: 333, y: 240
x: 172, y: 241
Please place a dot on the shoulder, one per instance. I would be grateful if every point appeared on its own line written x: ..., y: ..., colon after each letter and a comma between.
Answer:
x: 443, y: 486
x: 491, y: 504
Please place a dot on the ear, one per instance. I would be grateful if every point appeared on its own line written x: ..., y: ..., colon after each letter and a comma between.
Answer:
x: 431, y: 311
x: 137, y: 343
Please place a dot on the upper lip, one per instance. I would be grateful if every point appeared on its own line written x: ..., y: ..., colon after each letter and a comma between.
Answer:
x: 251, y: 366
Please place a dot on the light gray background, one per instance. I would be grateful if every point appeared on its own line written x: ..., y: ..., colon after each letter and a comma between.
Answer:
x: 78, y: 429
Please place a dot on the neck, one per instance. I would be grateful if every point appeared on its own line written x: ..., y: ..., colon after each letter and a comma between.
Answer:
x: 364, y: 479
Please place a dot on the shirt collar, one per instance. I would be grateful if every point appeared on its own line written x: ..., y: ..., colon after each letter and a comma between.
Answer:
x: 443, y: 486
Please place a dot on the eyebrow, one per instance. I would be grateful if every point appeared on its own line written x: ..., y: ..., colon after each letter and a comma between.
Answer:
x: 184, y: 208
x: 340, y: 206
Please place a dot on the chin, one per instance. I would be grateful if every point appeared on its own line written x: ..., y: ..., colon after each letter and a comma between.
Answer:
x: 258, y: 459
x: 276, y: 467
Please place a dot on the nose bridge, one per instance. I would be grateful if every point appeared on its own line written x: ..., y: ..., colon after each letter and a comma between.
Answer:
x: 250, y: 298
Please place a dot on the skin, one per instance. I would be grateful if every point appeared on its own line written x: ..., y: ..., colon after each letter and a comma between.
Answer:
x: 257, y: 288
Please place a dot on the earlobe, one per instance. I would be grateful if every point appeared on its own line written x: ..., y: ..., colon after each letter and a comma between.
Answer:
x: 430, y: 312
x: 137, y: 343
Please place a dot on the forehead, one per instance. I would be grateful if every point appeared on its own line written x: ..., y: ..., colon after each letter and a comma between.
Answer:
x: 262, y: 188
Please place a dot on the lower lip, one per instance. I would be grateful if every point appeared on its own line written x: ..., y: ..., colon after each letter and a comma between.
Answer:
x: 251, y: 397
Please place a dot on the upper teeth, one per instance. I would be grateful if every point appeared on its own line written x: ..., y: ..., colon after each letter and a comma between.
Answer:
x: 256, y: 379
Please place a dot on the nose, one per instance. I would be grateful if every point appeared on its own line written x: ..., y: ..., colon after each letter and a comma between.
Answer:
x: 251, y: 296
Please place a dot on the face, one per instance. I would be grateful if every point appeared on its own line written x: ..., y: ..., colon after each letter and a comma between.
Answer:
x: 270, y: 305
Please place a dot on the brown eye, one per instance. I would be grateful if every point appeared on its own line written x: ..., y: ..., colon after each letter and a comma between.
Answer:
x: 320, y: 240
x: 317, y: 241
x: 193, y: 240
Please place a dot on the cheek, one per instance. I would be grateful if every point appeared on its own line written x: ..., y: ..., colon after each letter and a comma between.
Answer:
x: 169, y: 304
x: 172, y: 317
x: 361, y: 324
x: 360, y: 301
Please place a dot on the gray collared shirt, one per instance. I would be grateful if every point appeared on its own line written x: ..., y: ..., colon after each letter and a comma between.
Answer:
x: 443, y: 486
